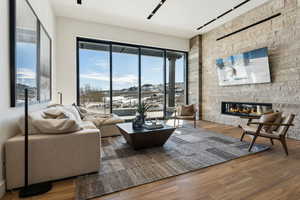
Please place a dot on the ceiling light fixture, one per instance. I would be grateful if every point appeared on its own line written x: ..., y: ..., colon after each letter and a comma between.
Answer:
x: 223, y: 14
x: 156, y: 9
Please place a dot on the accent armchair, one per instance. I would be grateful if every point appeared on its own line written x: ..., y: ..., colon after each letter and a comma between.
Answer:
x: 185, y: 112
x: 271, y: 130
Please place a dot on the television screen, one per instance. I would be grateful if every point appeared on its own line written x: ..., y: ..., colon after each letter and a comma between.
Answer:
x: 246, y: 68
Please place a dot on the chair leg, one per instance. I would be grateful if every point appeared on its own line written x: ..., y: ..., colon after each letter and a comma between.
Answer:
x: 271, y: 140
x: 194, y: 123
x: 174, y: 122
x: 242, y: 137
x: 252, y: 143
x: 283, y: 142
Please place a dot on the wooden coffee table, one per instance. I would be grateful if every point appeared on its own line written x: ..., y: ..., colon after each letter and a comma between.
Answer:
x: 144, y: 138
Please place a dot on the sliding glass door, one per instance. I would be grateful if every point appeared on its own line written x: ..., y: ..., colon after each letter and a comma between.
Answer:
x: 116, y: 78
x: 152, y: 81
x: 94, y: 70
x: 125, y: 81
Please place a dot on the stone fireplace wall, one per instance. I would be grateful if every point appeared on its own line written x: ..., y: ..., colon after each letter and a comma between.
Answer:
x: 282, y: 37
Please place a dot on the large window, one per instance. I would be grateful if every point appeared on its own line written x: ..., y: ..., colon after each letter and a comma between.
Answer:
x: 152, y: 80
x: 125, y: 81
x: 94, y: 76
x: 116, y: 78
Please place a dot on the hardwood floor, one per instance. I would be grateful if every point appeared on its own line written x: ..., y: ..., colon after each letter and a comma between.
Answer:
x: 268, y: 175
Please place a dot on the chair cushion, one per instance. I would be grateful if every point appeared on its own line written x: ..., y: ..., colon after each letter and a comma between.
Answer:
x: 249, y: 128
x: 185, y: 117
x: 269, y: 118
x: 253, y: 129
x: 187, y: 110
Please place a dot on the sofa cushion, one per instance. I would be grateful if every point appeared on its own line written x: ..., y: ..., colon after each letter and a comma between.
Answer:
x: 87, y: 125
x: 101, y: 120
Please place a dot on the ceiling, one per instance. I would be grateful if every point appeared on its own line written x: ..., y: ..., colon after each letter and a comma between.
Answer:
x: 178, y: 18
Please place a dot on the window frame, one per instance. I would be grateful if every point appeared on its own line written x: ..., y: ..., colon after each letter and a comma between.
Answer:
x: 111, y: 43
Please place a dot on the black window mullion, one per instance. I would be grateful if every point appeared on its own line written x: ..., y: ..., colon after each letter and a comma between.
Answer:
x: 78, y: 72
x: 38, y: 60
x: 13, y: 54
x: 111, y: 77
x: 186, y: 78
x: 140, y: 79
x: 165, y: 82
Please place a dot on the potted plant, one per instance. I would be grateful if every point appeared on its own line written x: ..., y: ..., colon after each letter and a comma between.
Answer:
x: 142, y: 110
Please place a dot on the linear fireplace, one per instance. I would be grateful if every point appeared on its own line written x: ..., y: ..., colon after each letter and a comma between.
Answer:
x: 245, y: 109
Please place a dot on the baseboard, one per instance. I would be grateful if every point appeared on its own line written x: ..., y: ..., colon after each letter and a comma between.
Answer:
x: 2, y: 189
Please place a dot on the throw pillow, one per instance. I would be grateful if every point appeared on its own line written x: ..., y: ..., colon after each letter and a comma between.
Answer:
x: 72, y: 113
x: 82, y: 111
x: 187, y: 110
x: 268, y: 118
x: 278, y: 120
x: 54, y: 113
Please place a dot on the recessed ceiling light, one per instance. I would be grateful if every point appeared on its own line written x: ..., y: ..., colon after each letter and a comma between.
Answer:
x: 223, y: 14
x: 156, y: 9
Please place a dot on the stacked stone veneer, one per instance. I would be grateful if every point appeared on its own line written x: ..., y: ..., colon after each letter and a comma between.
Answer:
x: 282, y: 37
x: 195, y: 73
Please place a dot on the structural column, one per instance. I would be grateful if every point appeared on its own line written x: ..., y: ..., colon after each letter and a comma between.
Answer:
x: 171, y: 84
x: 195, y: 73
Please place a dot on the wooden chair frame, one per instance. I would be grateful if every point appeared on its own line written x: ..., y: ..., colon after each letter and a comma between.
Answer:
x: 258, y: 133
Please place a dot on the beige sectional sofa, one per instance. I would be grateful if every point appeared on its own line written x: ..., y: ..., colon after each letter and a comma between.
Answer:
x: 53, y: 156
x: 62, y: 144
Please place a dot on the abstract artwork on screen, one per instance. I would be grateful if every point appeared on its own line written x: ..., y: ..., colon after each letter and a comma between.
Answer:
x: 45, y: 67
x: 30, y: 56
x: 245, y: 68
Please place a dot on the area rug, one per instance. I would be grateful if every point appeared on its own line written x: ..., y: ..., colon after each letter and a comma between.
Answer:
x: 187, y: 150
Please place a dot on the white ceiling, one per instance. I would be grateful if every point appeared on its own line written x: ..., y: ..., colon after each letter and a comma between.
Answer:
x: 176, y: 17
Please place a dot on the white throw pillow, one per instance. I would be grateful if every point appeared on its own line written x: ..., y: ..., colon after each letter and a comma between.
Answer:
x: 72, y: 113
x: 56, y: 126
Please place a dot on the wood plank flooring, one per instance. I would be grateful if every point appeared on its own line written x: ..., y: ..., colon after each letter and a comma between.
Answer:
x: 265, y: 176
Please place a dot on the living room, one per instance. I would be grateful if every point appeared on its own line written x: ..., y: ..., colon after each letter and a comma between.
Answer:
x: 150, y: 99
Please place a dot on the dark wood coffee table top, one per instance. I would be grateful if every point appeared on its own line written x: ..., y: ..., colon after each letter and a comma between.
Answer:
x: 127, y: 127
x: 145, y: 138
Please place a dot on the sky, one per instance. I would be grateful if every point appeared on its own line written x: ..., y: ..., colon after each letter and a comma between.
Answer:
x: 94, y: 70
x: 26, y: 64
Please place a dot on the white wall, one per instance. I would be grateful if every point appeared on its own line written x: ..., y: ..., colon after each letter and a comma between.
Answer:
x: 67, y: 31
x: 9, y: 116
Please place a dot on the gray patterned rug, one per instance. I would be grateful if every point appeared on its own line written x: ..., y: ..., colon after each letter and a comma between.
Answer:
x: 188, y: 149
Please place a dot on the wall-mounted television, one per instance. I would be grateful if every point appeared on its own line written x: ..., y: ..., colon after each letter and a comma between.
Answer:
x: 246, y: 68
